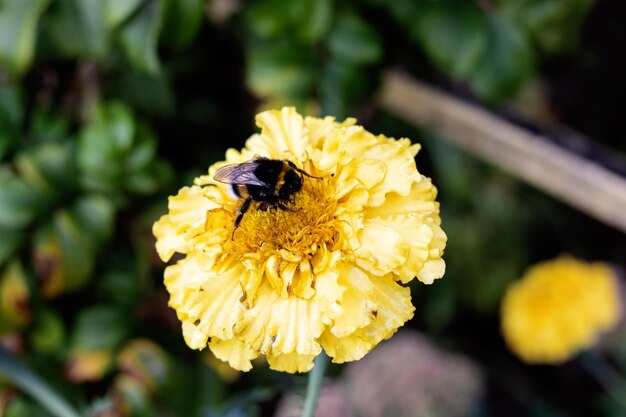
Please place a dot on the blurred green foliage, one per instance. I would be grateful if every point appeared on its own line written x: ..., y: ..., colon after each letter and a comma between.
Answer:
x: 107, y: 107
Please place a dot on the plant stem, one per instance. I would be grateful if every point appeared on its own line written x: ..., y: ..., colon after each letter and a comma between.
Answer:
x: 315, y: 383
x: 30, y: 383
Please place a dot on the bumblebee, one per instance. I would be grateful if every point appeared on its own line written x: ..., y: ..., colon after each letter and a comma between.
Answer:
x: 268, y: 181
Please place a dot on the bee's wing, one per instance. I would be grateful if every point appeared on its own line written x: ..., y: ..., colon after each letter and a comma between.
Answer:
x: 238, y: 174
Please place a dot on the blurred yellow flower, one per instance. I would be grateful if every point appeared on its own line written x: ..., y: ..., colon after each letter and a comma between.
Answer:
x: 327, y: 271
x: 559, y: 308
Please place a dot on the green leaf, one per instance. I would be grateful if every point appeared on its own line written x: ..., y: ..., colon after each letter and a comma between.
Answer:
x: 143, y: 182
x: 116, y: 11
x: 11, y: 105
x: 15, y: 307
x: 50, y: 169
x: 47, y: 125
x: 354, y: 40
x: 152, y: 95
x: 162, y: 172
x: 142, y: 154
x: 49, y: 262
x: 139, y: 38
x: 339, y: 84
x: 115, y: 154
x: 78, y: 247
x: 120, y: 285
x: 103, y: 147
x: 404, y: 11
x: 88, y: 333
x: 268, y: 18
x: 18, y: 28
x: 311, y: 18
x: 453, y: 34
x: 78, y: 29
x: 11, y: 116
x: 95, y: 216
x: 11, y: 240
x: 48, y: 333
x: 553, y: 24
x: 20, y: 203
x: 509, y: 61
x: 306, y: 20
x: 182, y: 20
x: 279, y: 69
x: 119, y: 123
x: 98, y: 160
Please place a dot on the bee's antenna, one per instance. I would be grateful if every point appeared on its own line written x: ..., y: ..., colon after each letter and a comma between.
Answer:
x: 303, y: 172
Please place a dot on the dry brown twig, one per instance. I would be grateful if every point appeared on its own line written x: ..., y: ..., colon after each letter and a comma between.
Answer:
x: 582, y: 183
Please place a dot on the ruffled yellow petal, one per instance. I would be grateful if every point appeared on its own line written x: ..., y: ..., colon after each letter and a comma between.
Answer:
x: 420, y: 202
x: 346, y: 348
x: 356, y: 142
x: 321, y: 129
x: 282, y: 132
x: 233, y: 351
x: 194, y: 338
x: 185, y: 278
x: 326, y: 144
x: 291, y: 362
x: 364, y: 174
x: 175, y: 230
x: 215, y: 308
x: 170, y: 238
x: 417, y: 220
x: 400, y: 174
x: 432, y: 269
x: 252, y: 327
x: 392, y: 303
x: 295, y: 326
x: 356, y: 307
x: 328, y: 294
x: 374, y: 308
x: 281, y: 325
x: 382, y: 249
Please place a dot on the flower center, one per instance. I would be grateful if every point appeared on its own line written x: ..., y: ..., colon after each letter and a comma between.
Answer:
x: 307, y: 226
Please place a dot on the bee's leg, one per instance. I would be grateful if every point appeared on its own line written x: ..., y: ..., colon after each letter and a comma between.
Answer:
x: 282, y: 206
x: 242, y: 210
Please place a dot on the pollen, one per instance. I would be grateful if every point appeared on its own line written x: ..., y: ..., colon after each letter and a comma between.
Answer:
x: 308, y: 226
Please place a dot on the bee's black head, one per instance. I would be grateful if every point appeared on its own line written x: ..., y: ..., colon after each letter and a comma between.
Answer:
x: 292, y: 184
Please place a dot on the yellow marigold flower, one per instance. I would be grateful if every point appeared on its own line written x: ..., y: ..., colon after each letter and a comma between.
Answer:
x: 326, y: 271
x: 559, y: 308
